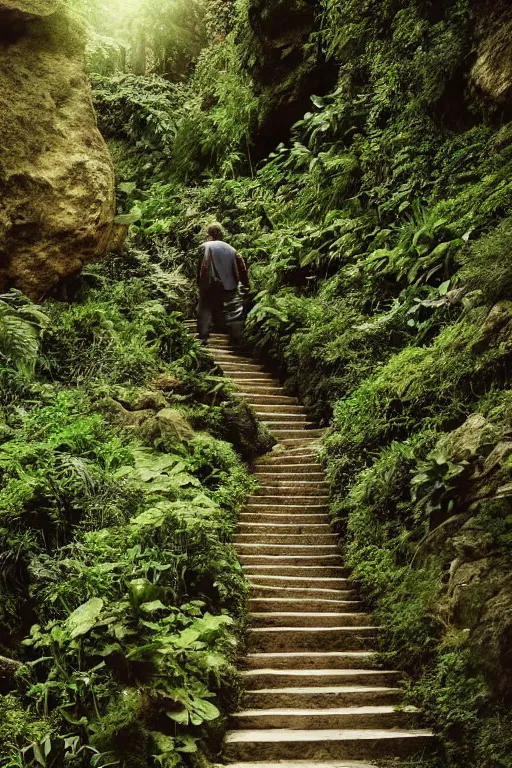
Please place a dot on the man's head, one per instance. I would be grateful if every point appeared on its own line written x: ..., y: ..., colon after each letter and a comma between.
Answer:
x: 215, y: 231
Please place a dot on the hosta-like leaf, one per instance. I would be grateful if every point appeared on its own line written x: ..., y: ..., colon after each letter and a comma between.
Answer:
x: 85, y: 617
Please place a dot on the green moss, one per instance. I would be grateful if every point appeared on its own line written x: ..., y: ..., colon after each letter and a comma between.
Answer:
x: 486, y: 265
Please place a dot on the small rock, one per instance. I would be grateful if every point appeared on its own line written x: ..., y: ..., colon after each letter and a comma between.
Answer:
x: 154, y: 400
x: 166, y: 382
x: 174, y: 424
x: 468, y: 590
x: 121, y: 416
x: 472, y: 299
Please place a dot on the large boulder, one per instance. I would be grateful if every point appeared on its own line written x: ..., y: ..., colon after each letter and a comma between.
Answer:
x: 57, y: 182
x: 28, y: 9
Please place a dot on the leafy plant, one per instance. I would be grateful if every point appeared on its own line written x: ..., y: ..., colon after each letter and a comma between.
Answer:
x: 21, y: 327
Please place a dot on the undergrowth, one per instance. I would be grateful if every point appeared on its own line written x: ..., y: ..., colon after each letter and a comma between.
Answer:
x: 378, y: 242
x: 122, y: 600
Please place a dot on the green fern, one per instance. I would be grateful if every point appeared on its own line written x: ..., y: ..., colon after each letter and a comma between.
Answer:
x: 21, y: 326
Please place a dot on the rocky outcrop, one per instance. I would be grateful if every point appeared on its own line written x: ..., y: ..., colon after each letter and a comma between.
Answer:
x: 285, y: 67
x: 492, y: 71
x: 28, y: 9
x: 473, y: 551
x: 56, y: 177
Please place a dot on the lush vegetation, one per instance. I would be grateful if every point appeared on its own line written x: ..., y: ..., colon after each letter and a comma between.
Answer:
x: 378, y: 234
x: 122, y: 601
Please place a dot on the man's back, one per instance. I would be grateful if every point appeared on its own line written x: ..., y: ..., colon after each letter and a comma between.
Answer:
x: 224, y: 261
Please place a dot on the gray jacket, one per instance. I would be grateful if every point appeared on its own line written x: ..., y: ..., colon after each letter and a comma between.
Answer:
x: 225, y: 263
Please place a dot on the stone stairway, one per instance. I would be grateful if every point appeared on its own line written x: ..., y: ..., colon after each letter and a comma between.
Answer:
x: 312, y: 698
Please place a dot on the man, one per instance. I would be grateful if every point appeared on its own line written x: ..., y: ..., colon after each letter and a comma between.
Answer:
x: 220, y: 272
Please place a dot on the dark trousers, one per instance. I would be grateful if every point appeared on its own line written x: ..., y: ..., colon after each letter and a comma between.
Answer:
x: 210, y: 311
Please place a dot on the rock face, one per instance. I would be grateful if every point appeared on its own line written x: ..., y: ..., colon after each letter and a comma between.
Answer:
x: 492, y: 71
x: 286, y: 70
x: 475, y: 554
x: 56, y: 177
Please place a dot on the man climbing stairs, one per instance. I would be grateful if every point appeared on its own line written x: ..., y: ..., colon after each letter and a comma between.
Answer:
x: 312, y: 698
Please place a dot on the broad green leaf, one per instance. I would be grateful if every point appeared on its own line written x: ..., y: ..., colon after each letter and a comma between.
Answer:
x: 84, y: 618
x: 154, y: 517
x: 141, y: 591
x: 188, y: 746
x: 181, y: 717
x: 151, y: 607
x: 318, y: 101
x: 206, y: 709
x: 128, y: 187
x: 126, y: 219
x: 186, y: 638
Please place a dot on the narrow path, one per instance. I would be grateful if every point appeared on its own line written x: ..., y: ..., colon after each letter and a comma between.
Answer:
x: 311, y: 698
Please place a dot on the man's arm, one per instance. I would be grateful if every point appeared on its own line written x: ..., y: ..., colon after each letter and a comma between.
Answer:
x: 242, y: 271
x: 203, y: 272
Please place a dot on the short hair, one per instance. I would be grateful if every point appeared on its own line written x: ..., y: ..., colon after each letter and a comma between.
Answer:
x: 215, y: 231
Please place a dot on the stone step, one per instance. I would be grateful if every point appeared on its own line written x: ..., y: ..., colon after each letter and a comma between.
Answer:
x: 297, y: 560
x: 286, y: 426
x: 291, y: 410
x: 241, y: 367
x: 298, y: 582
x: 383, y: 716
x: 287, y: 539
x: 314, y: 442
x: 287, y: 498
x: 248, y: 381
x: 281, y: 678
x: 308, y: 660
x: 302, y: 764
x: 273, y: 518
x: 271, y: 508
x: 305, y: 604
x: 299, y: 434
x: 232, y: 354
x: 224, y: 344
x: 310, y: 474
x: 324, y: 744
x: 290, y: 420
x: 261, y: 388
x: 266, y: 639
x: 304, y: 619
x: 296, y: 571
x: 292, y: 463
x: 259, y: 399
x: 240, y: 376
x: 291, y: 470
x: 286, y: 456
x: 284, y: 529
x: 297, y: 488
x: 289, y: 549
x: 276, y: 522
x: 322, y: 696
x: 303, y: 485
x: 277, y: 415
x: 302, y: 594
